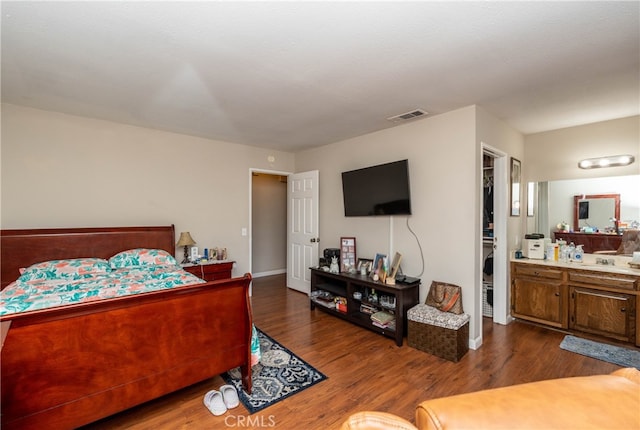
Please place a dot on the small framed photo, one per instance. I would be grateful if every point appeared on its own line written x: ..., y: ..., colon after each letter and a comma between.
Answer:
x: 366, y: 264
x: 379, y: 267
x: 514, y: 189
x: 395, y: 265
x: 347, y: 254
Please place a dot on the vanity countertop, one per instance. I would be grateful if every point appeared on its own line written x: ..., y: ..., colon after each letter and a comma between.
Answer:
x: 621, y: 265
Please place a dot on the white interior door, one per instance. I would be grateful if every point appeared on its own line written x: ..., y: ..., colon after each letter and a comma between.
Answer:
x: 302, y: 227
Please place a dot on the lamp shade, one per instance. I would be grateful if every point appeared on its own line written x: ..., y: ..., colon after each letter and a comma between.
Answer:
x: 185, y: 239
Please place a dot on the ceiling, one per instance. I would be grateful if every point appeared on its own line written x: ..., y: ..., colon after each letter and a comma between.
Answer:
x: 295, y: 75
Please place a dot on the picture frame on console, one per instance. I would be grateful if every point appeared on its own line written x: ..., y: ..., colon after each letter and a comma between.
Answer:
x: 347, y: 254
x: 379, y: 267
x: 395, y: 265
x: 366, y: 263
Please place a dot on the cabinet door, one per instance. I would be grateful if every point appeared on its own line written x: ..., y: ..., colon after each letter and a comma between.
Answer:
x: 539, y: 300
x: 603, y: 313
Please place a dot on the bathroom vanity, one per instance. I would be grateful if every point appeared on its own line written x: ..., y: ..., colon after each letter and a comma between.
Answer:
x: 585, y: 298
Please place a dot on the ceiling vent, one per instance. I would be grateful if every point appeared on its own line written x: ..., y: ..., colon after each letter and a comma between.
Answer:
x: 418, y: 113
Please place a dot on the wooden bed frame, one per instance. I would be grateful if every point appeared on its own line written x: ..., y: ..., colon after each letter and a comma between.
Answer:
x: 69, y: 366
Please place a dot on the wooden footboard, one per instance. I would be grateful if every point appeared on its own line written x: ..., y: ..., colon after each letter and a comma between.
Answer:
x: 68, y: 366
x: 71, y: 366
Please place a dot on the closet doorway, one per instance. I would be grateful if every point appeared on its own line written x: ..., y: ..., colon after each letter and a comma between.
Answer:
x: 494, y: 291
x: 488, y: 235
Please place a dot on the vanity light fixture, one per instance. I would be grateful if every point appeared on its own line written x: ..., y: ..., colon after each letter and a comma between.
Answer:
x: 611, y: 161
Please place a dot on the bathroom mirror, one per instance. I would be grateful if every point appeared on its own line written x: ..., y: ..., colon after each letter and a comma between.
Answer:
x: 595, y: 210
x: 554, y: 200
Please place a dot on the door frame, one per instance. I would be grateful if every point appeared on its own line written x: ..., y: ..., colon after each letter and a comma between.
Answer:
x: 250, y: 232
x: 501, y: 293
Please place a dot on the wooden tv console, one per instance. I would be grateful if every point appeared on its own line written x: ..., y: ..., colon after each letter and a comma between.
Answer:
x: 393, y: 299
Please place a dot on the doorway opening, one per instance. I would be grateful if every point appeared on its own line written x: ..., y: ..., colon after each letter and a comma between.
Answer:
x: 493, y: 242
x: 268, y: 230
x: 488, y: 192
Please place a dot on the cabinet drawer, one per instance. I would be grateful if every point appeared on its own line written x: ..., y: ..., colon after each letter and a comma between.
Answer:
x: 211, y: 272
x: 538, y: 271
x: 603, y: 279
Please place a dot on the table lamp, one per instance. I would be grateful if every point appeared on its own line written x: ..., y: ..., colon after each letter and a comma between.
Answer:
x: 185, y: 240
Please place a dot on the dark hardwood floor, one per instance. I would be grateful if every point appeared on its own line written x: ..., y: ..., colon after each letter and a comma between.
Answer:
x: 365, y: 370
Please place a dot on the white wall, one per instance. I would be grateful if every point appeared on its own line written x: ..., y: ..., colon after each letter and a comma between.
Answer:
x: 66, y: 171
x: 554, y: 155
x: 445, y: 178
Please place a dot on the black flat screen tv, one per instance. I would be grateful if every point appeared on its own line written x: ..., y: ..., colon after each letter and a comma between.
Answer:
x: 377, y: 190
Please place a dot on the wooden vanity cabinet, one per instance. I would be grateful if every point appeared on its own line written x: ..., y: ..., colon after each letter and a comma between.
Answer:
x: 603, y: 304
x: 538, y: 294
x: 595, y: 303
x: 603, y: 313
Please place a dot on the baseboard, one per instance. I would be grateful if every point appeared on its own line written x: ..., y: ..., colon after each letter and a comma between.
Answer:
x: 268, y: 273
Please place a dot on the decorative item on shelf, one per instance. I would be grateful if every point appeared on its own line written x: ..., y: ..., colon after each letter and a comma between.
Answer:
x: 373, y: 297
x: 334, y: 268
x: 388, y: 302
x: 186, y: 241
x: 341, y: 304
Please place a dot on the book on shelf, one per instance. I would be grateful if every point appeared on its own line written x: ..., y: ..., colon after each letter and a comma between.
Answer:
x: 382, y: 317
x: 390, y: 326
x: 368, y: 309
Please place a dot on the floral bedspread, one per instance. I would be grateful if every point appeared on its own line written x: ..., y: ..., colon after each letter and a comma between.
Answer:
x: 22, y: 296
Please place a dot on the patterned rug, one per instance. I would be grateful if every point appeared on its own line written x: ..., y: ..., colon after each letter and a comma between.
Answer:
x: 624, y: 357
x: 279, y: 374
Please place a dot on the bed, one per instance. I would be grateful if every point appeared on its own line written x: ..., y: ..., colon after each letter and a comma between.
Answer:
x: 69, y: 365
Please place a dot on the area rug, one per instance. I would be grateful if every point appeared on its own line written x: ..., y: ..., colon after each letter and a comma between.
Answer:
x: 280, y: 374
x: 624, y: 357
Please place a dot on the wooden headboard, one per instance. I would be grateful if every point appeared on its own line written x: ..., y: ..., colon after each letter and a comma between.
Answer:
x: 22, y: 248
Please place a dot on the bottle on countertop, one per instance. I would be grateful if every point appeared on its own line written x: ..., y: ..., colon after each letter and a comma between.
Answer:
x: 578, y: 254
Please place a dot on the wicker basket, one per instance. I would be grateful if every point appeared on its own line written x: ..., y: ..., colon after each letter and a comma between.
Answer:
x: 442, y: 334
x: 487, y: 309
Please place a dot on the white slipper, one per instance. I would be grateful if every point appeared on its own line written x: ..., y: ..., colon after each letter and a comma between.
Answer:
x: 214, y: 402
x: 230, y: 396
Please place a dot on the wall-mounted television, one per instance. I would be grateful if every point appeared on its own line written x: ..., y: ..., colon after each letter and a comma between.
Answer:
x: 377, y: 190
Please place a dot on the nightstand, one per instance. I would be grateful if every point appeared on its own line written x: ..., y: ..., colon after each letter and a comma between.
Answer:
x: 210, y: 271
